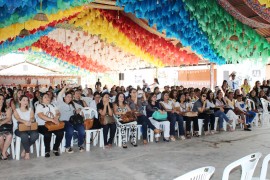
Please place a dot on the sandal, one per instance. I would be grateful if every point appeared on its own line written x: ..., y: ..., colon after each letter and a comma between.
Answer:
x: 3, y: 158
x: 240, y: 121
x: 196, y: 134
x: 145, y: 142
x: 172, y: 138
x: 134, y: 144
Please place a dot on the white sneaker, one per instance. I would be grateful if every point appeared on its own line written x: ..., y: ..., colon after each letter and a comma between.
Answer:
x: 172, y: 138
x: 182, y: 137
x: 69, y: 150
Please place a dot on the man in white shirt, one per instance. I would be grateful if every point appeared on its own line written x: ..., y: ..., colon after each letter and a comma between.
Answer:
x: 233, y: 83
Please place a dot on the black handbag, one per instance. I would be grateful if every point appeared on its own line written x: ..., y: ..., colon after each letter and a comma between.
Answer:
x: 209, y: 111
x: 76, y: 119
x: 6, y: 127
x: 215, y: 109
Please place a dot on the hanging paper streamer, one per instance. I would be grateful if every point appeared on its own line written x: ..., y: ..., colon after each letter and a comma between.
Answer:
x: 19, y: 11
x: 60, y: 51
x: 220, y: 26
x: 92, y: 22
x: 94, y: 48
x: 21, y: 42
x: 172, y: 17
x: 48, y: 61
x: 151, y: 43
x: 14, y: 29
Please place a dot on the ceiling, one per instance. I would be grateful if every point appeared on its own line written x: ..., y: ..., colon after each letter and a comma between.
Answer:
x: 243, y: 7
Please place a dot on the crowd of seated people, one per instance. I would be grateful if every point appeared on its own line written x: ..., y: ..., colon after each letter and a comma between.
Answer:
x: 181, y: 106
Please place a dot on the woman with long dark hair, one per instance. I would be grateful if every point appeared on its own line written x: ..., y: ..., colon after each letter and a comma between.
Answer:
x: 185, y: 106
x: 105, y: 108
x: 120, y: 107
x: 153, y: 106
x: 6, y: 127
x: 49, y: 112
x: 173, y: 116
x: 218, y: 112
x: 136, y: 104
x: 67, y: 108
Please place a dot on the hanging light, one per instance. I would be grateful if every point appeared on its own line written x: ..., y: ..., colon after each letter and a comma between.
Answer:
x: 41, y: 16
x: 234, y: 37
x: 24, y: 32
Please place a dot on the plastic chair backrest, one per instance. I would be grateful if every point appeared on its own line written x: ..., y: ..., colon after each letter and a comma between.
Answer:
x: 89, y: 113
x: 204, y: 173
x: 248, y: 165
x: 265, y: 105
x: 264, y: 167
x: 249, y: 104
x: 116, y: 120
x: 15, y: 123
x: 87, y: 100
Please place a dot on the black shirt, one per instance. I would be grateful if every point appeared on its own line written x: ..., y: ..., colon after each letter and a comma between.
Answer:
x: 100, y: 106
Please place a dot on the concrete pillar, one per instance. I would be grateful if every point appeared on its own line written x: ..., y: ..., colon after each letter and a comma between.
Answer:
x: 212, y: 76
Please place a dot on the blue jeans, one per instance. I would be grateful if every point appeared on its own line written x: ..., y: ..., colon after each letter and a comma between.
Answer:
x: 146, y: 123
x: 69, y: 129
x: 173, y: 117
x: 28, y: 138
x: 221, y: 115
x: 250, y: 116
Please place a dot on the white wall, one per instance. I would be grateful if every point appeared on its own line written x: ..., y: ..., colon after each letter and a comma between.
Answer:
x: 12, y: 80
x: 248, y: 70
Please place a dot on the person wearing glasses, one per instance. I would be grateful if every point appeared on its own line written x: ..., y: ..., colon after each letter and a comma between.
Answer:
x: 200, y: 106
x: 136, y: 104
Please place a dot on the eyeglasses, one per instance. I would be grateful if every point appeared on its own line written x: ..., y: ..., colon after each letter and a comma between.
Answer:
x: 203, y: 95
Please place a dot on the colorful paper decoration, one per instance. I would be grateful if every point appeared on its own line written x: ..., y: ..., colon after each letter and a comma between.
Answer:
x: 60, y: 51
x: 170, y: 16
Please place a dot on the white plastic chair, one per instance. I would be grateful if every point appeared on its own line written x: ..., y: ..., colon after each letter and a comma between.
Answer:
x: 256, y: 119
x: 17, y: 141
x: 90, y: 113
x: 200, y: 123
x: 42, y: 146
x: 248, y: 165
x: 87, y: 100
x: 263, y: 169
x: 18, y: 148
x: 204, y: 173
x: 265, y: 117
x: 118, y: 132
x: 11, y: 149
